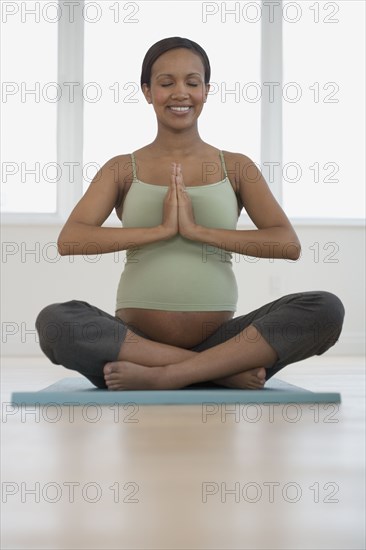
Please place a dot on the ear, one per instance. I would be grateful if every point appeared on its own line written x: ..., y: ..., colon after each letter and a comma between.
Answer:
x: 207, y: 86
x: 146, y: 92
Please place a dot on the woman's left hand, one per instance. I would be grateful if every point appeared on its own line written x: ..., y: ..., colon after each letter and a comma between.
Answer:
x: 186, y: 222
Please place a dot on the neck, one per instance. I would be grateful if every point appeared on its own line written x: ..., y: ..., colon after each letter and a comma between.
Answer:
x: 172, y: 142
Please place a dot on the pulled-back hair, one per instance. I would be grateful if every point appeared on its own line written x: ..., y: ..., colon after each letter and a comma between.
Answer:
x: 166, y: 44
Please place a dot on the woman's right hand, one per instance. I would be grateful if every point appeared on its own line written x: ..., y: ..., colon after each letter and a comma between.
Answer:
x: 170, y: 206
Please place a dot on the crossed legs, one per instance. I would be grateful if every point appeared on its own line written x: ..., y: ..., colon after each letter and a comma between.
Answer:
x: 239, y: 362
x: 84, y: 338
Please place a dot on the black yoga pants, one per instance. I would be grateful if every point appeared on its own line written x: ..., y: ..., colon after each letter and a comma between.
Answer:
x: 84, y: 338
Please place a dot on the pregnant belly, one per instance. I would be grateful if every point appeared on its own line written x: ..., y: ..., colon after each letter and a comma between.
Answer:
x: 183, y: 329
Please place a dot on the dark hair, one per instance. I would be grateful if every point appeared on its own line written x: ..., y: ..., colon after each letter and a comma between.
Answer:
x: 165, y: 45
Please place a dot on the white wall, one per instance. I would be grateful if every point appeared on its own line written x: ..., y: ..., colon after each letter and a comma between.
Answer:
x: 31, y: 280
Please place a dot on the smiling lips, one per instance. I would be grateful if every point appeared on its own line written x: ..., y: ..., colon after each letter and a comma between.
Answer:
x: 180, y: 110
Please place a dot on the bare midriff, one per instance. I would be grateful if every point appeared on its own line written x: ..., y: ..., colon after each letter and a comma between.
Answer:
x: 183, y: 329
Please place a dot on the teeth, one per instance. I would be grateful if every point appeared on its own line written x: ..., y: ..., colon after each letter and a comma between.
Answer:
x: 179, y: 108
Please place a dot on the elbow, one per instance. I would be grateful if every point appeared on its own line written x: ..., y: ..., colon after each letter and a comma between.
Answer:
x: 293, y: 251
x: 61, y: 243
x: 60, y: 248
x: 65, y: 246
x: 70, y: 241
x: 297, y: 254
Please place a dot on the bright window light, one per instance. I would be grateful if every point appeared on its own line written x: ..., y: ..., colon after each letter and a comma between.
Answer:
x: 323, y: 110
x: 29, y: 110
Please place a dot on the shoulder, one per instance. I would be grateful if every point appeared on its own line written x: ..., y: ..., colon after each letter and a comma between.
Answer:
x: 124, y: 165
x: 241, y: 168
x: 240, y: 158
x: 119, y: 168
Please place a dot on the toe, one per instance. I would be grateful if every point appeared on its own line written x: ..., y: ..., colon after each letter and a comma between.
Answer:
x: 111, y: 384
x: 112, y: 377
x: 107, y: 368
x: 259, y: 379
x: 261, y: 374
x: 113, y: 387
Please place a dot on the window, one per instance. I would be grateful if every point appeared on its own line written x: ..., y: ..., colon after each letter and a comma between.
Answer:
x: 320, y: 135
x: 29, y: 110
x: 323, y: 110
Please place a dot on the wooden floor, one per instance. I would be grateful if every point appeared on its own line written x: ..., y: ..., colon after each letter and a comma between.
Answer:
x: 185, y: 477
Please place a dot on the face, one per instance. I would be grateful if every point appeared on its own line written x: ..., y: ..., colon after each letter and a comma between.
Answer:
x: 177, y: 79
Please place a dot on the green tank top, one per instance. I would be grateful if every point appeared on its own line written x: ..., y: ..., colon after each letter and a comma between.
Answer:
x: 179, y: 274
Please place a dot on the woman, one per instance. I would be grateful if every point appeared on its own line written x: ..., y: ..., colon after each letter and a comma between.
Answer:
x: 174, y: 323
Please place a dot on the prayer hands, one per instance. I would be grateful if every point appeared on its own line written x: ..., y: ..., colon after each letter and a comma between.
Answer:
x: 178, y: 214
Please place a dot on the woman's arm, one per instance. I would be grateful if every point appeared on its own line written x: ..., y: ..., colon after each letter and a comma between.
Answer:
x: 82, y: 231
x: 275, y: 236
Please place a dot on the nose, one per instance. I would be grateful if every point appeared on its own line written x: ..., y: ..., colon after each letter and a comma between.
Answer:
x: 179, y: 92
x: 180, y: 95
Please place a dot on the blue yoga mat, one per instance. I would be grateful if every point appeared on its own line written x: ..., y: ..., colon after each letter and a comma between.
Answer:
x: 79, y: 391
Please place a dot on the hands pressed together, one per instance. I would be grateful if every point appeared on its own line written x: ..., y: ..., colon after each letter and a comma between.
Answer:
x: 178, y: 214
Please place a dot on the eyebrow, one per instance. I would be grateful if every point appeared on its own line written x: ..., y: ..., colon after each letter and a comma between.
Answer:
x: 167, y: 74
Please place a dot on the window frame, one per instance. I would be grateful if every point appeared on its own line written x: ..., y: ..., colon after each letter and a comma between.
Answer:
x: 70, y: 128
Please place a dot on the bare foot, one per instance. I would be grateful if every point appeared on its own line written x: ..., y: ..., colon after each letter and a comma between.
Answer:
x: 124, y: 375
x: 252, y: 379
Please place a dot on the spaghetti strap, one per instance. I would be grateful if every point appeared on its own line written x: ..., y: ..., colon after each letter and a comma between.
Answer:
x: 133, y: 166
x: 223, y: 163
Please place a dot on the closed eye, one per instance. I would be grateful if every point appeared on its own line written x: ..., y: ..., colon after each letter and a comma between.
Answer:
x: 189, y: 84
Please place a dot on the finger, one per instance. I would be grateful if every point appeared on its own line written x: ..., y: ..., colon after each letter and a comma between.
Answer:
x: 172, y: 193
x: 180, y: 175
x: 173, y: 176
x: 175, y: 172
x: 182, y: 194
x: 173, y: 187
x: 180, y: 185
